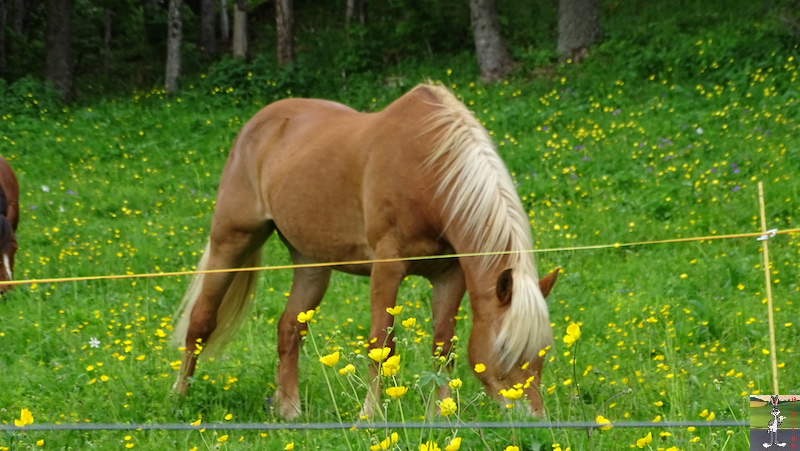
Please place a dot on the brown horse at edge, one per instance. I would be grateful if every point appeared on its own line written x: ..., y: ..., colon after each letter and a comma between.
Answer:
x: 420, y: 178
x: 9, y: 218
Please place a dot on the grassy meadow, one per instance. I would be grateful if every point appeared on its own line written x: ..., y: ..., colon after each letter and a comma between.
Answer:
x: 669, y: 332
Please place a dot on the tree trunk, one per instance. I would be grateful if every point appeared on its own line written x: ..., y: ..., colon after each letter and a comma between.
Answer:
x: 174, y: 38
x: 3, y: 19
x: 240, y: 29
x: 224, y: 23
x: 109, y: 20
x: 578, y: 28
x: 58, y: 65
x: 493, y: 58
x: 355, y: 7
x: 208, y: 30
x: 284, y: 21
x: 18, y: 19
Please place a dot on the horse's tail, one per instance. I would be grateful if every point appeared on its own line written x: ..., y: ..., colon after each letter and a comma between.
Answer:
x: 235, y: 304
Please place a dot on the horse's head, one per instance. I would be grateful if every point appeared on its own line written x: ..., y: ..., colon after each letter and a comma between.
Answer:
x: 8, y: 247
x: 503, y: 382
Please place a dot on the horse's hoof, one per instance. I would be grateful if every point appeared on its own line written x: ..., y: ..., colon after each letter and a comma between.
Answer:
x: 180, y: 387
x: 288, y: 409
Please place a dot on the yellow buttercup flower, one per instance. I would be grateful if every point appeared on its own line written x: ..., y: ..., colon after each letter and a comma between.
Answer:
x: 454, y: 444
x: 455, y: 384
x: 386, y: 443
x: 304, y: 317
x: 429, y: 446
x: 480, y: 368
x: 409, y: 323
x: 394, y: 311
x: 25, y: 418
x: 573, y: 334
x: 396, y: 392
x: 289, y: 446
x: 348, y: 369
x: 330, y: 359
x: 511, y: 393
x: 448, y: 407
x: 644, y: 441
x: 603, y: 422
x: 379, y: 354
x: 391, y: 366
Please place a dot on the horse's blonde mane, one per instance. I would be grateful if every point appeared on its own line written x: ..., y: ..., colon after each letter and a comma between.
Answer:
x: 481, y: 198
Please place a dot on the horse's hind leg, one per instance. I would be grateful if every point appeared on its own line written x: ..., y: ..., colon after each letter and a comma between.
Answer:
x: 448, y: 291
x: 229, y: 247
x: 308, y: 288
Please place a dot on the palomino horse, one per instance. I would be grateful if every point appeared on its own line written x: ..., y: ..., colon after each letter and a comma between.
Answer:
x: 420, y: 178
x: 9, y: 217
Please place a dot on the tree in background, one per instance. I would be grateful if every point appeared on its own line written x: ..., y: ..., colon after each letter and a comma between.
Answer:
x: 239, y: 49
x: 207, y: 36
x: 224, y: 23
x: 578, y: 28
x: 284, y: 23
x: 58, y: 64
x: 493, y: 58
x: 174, y: 39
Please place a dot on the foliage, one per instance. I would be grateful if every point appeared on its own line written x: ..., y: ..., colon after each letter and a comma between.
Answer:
x: 28, y: 97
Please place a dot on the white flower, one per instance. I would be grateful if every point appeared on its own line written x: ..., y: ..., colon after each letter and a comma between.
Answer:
x: 699, y: 131
x: 94, y: 342
x: 45, y: 188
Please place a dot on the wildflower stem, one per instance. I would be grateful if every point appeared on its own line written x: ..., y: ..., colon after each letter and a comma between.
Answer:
x: 330, y: 389
x: 575, y: 377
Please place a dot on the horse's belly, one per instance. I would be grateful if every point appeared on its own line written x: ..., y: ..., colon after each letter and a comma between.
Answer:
x: 323, y: 245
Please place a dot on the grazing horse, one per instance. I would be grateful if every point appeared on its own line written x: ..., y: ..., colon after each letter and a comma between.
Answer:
x: 420, y: 178
x: 9, y: 217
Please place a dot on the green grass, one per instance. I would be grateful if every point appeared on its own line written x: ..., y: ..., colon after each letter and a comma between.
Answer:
x: 128, y: 185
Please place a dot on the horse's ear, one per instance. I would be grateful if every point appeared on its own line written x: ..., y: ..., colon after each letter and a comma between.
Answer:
x: 505, y: 284
x: 546, y: 283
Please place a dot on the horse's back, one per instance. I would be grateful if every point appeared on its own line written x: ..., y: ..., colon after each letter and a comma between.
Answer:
x: 331, y: 178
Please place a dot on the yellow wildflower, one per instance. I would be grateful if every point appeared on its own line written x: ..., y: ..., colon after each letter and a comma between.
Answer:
x: 448, y: 407
x: 330, y: 359
x: 511, y: 393
x: 386, y: 443
x: 302, y: 318
x: 391, y: 366
x: 396, y: 392
x: 379, y: 354
x: 573, y: 334
x: 454, y: 444
x: 25, y: 418
x: 644, y: 441
x: 605, y: 423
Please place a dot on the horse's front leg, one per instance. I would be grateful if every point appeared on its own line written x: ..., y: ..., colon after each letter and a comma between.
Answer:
x: 308, y: 288
x: 448, y: 291
x: 384, y: 283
